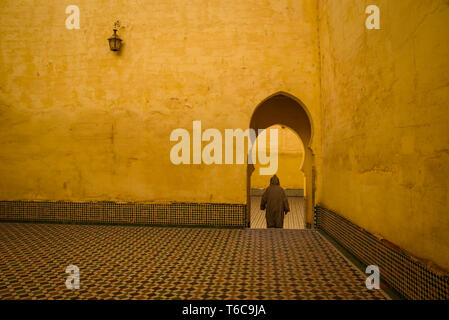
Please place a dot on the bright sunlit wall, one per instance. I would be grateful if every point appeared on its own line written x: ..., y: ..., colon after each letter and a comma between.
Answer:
x: 290, y: 160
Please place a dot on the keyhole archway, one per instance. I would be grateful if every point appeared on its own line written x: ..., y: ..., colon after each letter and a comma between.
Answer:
x: 285, y: 109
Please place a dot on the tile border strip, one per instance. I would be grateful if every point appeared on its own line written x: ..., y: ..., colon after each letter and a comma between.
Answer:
x: 408, y: 276
x: 107, y: 212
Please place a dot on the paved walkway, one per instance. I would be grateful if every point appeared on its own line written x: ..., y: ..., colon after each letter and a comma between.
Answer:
x: 295, y: 219
x: 135, y: 262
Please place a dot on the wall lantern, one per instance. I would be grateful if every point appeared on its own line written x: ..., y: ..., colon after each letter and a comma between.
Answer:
x: 115, y: 42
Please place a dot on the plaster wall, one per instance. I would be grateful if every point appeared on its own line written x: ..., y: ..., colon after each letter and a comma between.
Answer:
x: 81, y: 123
x: 290, y: 161
x: 385, y: 120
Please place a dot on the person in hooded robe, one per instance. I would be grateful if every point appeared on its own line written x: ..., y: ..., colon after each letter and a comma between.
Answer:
x: 275, y: 201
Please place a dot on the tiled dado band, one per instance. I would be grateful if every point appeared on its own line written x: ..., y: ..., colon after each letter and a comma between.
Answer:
x: 174, y: 214
x: 409, y: 277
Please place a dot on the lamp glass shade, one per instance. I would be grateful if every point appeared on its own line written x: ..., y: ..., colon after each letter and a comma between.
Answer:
x: 115, y: 42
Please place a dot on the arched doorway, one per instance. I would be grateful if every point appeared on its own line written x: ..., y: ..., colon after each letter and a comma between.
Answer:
x: 285, y: 109
x: 290, y: 161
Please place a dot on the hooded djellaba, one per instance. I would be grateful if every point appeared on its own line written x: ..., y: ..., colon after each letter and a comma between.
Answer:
x: 275, y: 202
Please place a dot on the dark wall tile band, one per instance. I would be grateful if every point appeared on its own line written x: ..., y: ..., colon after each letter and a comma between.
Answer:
x: 409, y: 277
x: 176, y: 214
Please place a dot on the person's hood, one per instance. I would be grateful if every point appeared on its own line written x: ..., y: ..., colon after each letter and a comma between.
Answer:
x: 274, y: 181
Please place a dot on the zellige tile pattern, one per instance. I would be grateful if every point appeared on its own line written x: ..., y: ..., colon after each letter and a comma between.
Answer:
x: 407, y: 275
x: 141, y: 262
x: 174, y: 214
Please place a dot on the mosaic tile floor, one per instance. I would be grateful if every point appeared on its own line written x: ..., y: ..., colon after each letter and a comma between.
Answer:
x: 134, y: 262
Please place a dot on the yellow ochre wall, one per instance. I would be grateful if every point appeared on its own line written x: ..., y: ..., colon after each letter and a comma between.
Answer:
x: 81, y: 123
x: 385, y: 123
x: 290, y: 161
